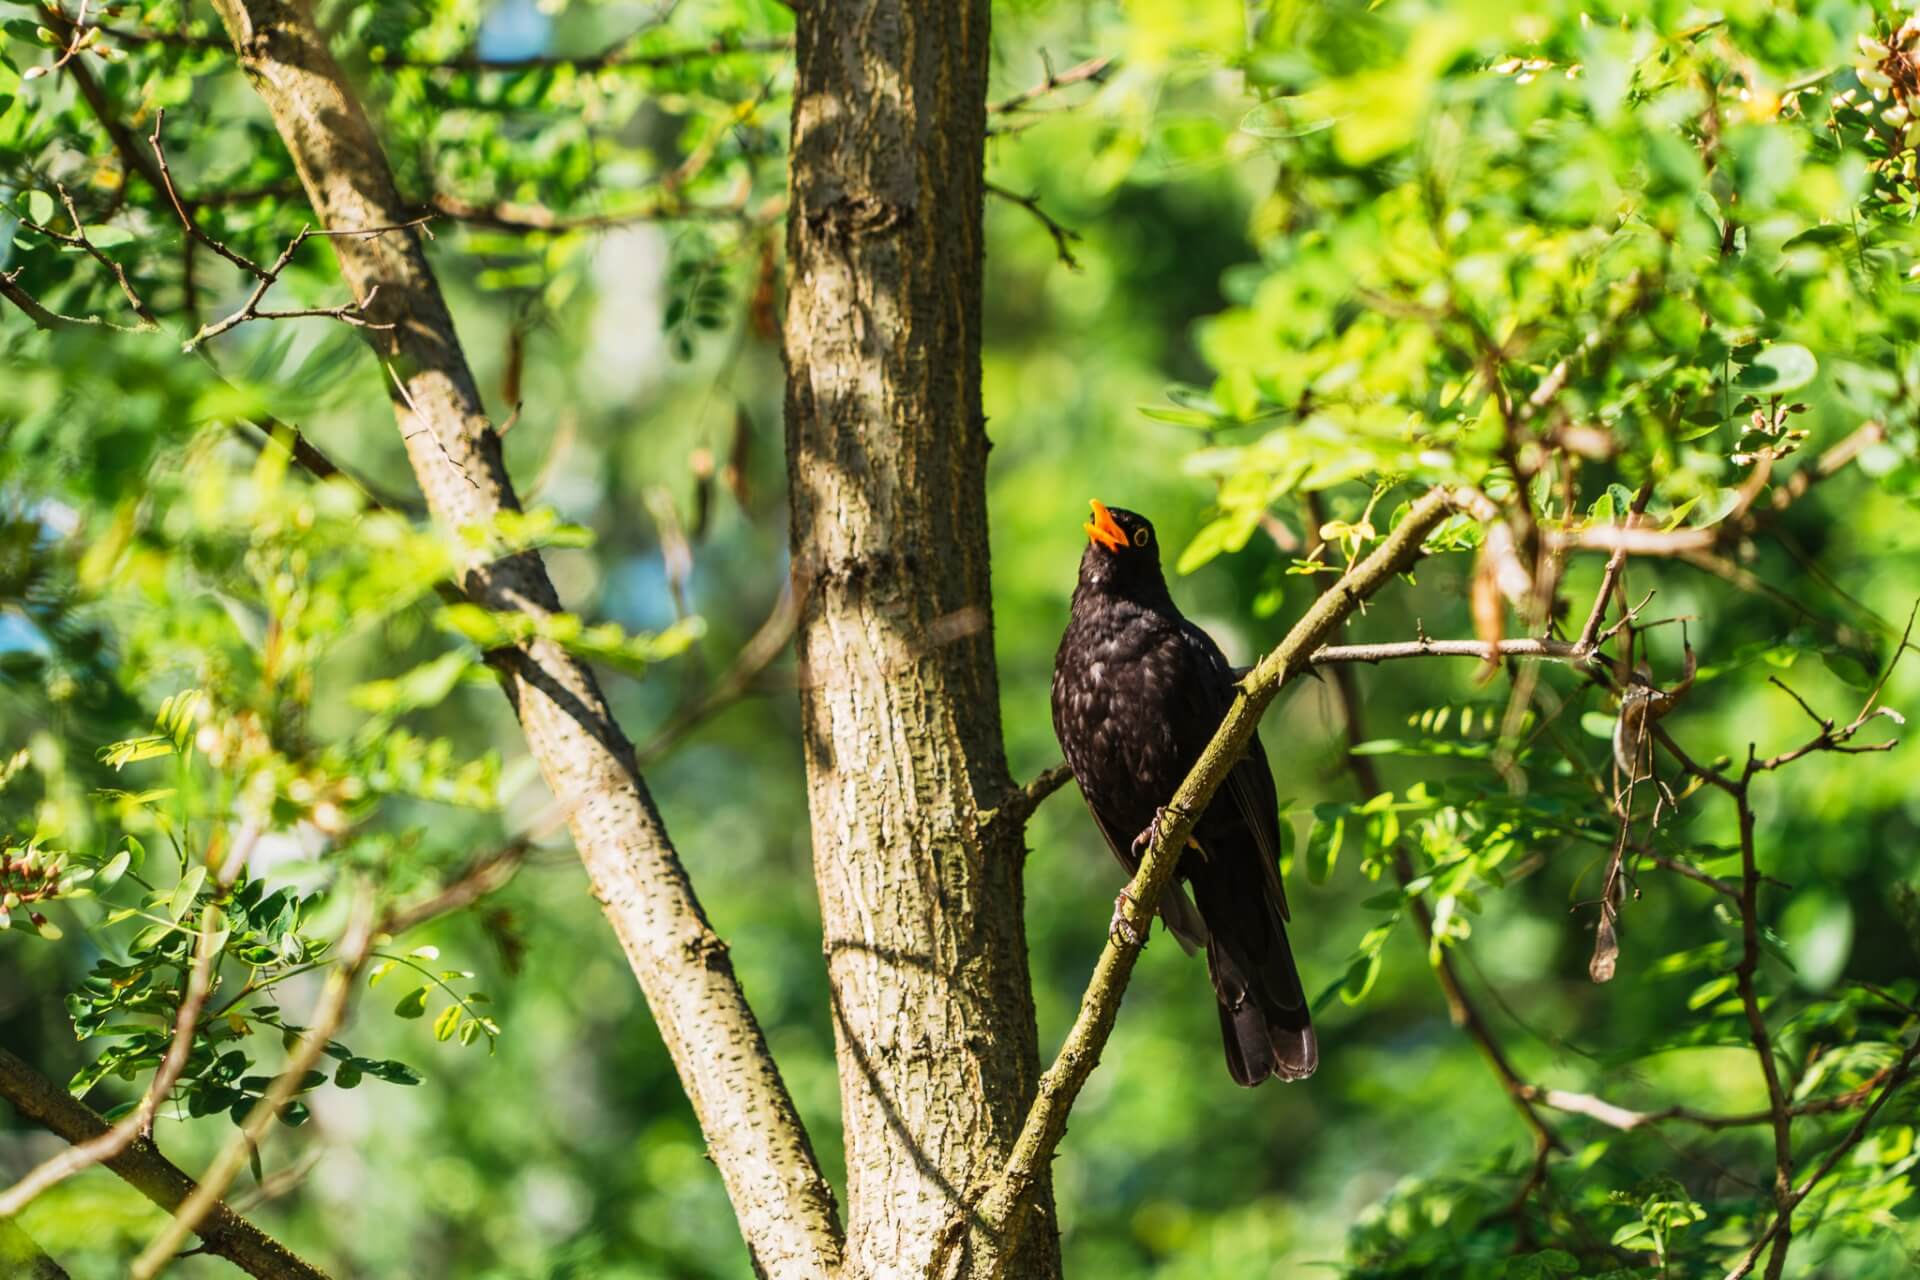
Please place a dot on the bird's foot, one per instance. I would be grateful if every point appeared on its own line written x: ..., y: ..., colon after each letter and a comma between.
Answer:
x: 1144, y: 841
x: 1118, y: 928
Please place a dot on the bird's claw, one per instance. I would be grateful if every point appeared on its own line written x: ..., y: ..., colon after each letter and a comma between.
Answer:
x: 1144, y: 841
x: 1119, y: 929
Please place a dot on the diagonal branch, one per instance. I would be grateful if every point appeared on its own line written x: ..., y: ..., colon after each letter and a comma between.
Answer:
x: 350, y: 958
x: 138, y: 1122
x: 1004, y: 1202
x: 222, y: 1232
x: 1092, y: 71
x: 754, y: 1134
x: 1063, y: 236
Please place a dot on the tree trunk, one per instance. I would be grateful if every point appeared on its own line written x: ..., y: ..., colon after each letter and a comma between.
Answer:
x: 754, y: 1135
x: 920, y: 885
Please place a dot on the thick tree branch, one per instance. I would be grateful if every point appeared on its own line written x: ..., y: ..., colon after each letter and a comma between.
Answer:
x: 222, y: 1232
x: 1003, y: 1202
x: 755, y: 1137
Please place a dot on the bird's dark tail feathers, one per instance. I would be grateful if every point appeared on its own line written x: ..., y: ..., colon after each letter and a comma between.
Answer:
x: 1264, y: 1018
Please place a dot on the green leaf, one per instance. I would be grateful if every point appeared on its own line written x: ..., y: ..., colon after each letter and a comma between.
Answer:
x: 186, y: 891
x: 116, y: 867
x: 1324, y: 840
x: 1782, y: 367
x: 413, y: 1004
x: 393, y: 1072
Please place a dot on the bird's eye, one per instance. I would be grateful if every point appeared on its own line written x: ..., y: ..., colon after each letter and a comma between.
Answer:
x: 1141, y: 537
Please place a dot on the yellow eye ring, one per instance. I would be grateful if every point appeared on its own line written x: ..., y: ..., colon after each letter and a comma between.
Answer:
x: 1141, y: 537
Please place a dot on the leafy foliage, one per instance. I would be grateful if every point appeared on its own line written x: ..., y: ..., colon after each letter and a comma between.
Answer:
x: 1339, y: 252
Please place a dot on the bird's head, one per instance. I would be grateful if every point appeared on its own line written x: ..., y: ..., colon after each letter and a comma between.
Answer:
x: 1122, y: 552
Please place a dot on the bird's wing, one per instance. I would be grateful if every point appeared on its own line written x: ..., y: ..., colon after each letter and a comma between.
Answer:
x: 1250, y: 785
x: 1254, y: 795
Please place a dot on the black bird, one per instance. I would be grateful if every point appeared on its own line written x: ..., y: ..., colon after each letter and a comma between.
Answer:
x: 1138, y: 691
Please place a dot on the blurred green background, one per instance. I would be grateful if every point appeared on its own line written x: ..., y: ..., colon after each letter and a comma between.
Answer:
x: 569, y: 1150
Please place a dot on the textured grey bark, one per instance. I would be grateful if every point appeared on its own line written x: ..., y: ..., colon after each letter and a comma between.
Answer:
x: 920, y: 884
x: 754, y: 1135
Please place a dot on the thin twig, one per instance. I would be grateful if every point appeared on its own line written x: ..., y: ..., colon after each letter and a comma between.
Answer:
x: 766, y: 644
x: 137, y: 1123
x: 1020, y: 806
x: 48, y: 319
x: 350, y: 957
x: 223, y: 1232
x: 1063, y: 237
x: 1093, y: 70
x: 1616, y: 564
x: 79, y: 240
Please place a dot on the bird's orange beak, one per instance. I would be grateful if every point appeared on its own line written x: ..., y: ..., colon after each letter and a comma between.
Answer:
x: 1102, y: 529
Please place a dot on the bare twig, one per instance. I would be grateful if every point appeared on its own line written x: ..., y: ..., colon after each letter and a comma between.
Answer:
x: 79, y: 240
x: 138, y: 1122
x: 1616, y: 564
x: 1093, y: 70
x: 1626, y: 1119
x: 50, y: 320
x: 350, y: 957
x: 761, y: 649
x: 1020, y: 806
x: 1063, y: 237
x: 353, y: 313
x: 484, y: 876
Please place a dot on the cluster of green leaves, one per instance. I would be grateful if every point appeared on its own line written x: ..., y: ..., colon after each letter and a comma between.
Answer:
x: 1598, y: 247
x: 217, y: 572
x: 259, y: 939
x: 1680, y: 219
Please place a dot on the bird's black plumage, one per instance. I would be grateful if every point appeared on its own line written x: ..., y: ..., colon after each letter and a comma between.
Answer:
x: 1138, y: 692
